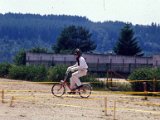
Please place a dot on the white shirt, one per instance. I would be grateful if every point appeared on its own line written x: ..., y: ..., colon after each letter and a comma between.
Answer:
x: 82, y: 64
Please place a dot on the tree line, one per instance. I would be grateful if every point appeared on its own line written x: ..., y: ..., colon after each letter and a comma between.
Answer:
x: 29, y: 31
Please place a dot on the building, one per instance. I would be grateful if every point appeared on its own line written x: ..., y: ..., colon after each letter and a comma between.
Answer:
x: 96, y: 62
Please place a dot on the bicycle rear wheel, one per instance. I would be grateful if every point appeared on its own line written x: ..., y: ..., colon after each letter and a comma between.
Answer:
x: 58, y: 90
x: 85, y: 91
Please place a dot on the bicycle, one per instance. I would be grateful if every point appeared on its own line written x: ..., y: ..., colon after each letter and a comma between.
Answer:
x: 59, y: 89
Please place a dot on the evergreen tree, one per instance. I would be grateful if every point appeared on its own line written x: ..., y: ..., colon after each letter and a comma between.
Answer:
x: 20, y: 58
x: 127, y: 44
x: 73, y: 37
x: 38, y: 50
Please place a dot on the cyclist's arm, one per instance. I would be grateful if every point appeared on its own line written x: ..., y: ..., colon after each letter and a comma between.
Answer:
x: 71, y: 69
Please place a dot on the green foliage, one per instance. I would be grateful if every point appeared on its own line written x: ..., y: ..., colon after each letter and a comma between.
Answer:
x: 17, y: 72
x: 143, y: 74
x: 127, y: 44
x: 57, y: 73
x: 20, y: 58
x: 73, y: 37
x: 156, y: 75
x: 31, y: 73
x: 40, y: 73
x: 4, y: 69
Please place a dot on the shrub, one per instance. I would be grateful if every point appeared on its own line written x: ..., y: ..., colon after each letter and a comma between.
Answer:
x: 142, y: 74
x: 31, y: 73
x: 17, y: 72
x: 20, y: 58
x: 157, y: 73
x: 157, y: 76
x: 57, y: 73
x: 36, y: 73
x: 4, y: 69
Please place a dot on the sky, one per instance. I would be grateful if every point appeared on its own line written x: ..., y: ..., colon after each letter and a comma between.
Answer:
x: 142, y: 12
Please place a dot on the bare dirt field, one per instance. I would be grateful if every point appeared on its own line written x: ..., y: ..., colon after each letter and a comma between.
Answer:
x: 34, y: 101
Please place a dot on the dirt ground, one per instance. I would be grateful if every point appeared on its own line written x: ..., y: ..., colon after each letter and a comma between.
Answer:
x: 34, y: 101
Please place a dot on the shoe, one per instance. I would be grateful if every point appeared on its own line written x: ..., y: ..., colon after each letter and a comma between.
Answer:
x: 72, y: 92
x: 79, y: 87
x: 62, y: 81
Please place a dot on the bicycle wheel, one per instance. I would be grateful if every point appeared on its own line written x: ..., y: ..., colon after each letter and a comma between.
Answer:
x: 58, y: 90
x: 85, y: 91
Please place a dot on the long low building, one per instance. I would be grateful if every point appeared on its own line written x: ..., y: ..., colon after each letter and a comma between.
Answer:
x: 96, y: 62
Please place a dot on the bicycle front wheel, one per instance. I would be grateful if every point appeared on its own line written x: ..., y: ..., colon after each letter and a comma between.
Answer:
x: 85, y: 91
x: 58, y: 90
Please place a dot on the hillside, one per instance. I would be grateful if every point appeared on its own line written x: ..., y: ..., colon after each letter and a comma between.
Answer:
x: 26, y: 31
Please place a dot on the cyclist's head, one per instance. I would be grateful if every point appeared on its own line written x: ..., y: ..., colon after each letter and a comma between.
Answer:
x: 77, y: 52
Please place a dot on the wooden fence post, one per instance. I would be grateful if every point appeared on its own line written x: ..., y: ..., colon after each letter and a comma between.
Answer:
x: 2, y: 96
x: 12, y: 100
x: 105, y: 105
x: 114, y: 115
x: 145, y: 90
x: 154, y: 85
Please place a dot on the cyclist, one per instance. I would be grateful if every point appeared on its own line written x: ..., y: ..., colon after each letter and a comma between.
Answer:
x: 78, y: 70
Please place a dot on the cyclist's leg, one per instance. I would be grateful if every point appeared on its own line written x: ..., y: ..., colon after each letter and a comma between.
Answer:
x: 76, y: 75
x: 72, y: 86
x: 72, y: 83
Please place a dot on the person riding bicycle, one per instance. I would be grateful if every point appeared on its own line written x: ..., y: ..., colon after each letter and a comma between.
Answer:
x: 78, y: 70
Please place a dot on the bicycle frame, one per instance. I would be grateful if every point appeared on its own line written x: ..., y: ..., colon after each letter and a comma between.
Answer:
x: 65, y: 84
